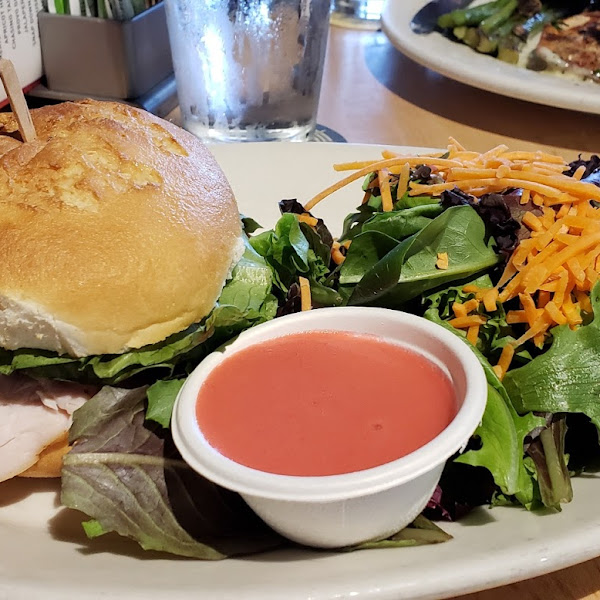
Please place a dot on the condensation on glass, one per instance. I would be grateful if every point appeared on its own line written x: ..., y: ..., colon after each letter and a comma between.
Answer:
x: 248, y: 70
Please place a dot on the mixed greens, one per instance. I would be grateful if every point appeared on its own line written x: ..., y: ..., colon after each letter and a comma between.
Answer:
x: 432, y: 255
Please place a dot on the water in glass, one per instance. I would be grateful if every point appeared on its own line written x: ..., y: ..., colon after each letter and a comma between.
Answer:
x: 248, y: 70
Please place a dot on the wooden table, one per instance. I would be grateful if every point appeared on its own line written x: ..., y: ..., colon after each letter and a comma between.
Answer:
x: 373, y: 94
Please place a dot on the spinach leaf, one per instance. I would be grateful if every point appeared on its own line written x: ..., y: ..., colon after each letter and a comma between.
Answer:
x: 319, y: 254
x: 460, y: 233
x: 409, y: 269
x: 401, y: 224
x: 366, y: 251
x: 354, y: 221
x: 410, y: 215
x: 382, y: 277
x: 323, y: 295
x: 408, y: 201
x: 250, y: 225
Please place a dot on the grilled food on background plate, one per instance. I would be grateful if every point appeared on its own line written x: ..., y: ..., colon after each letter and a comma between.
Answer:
x: 558, y: 36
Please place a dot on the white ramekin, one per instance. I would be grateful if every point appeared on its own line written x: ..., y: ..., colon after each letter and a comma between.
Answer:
x: 341, y: 510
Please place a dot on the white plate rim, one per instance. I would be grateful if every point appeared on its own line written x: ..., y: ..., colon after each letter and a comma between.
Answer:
x: 459, y: 62
x: 427, y: 572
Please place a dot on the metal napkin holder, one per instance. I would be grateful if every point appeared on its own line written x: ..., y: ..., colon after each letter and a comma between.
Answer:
x: 105, y: 58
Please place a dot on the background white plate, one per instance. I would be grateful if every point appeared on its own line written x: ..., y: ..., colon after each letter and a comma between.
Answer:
x: 44, y: 554
x: 460, y: 62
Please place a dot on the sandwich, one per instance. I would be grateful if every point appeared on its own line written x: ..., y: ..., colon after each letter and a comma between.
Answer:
x: 118, y: 232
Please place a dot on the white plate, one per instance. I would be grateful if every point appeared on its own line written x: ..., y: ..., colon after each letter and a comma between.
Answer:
x: 44, y: 554
x: 460, y: 62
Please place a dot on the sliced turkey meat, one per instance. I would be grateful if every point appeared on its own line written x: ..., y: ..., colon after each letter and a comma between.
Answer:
x: 33, y: 414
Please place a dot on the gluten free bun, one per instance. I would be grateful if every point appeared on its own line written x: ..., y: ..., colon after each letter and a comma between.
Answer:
x: 117, y: 229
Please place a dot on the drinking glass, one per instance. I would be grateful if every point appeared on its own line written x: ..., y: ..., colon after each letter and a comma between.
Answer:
x: 248, y: 70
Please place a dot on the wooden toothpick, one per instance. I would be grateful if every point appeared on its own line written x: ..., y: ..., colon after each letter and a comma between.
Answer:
x: 17, y: 100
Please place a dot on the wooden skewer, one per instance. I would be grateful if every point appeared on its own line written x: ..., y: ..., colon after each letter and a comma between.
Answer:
x: 17, y: 100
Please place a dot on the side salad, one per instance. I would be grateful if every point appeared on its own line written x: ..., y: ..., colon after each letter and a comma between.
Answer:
x: 501, y: 248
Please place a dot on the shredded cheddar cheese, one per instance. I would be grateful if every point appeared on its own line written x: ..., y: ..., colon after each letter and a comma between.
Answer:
x: 336, y: 254
x: 531, y: 221
x: 387, y: 204
x: 489, y: 299
x: 375, y: 167
x: 465, y: 322
x: 305, y: 298
x: 516, y: 316
x: 442, y: 261
x: 579, y: 173
x: 471, y: 305
x: 459, y: 309
x: 473, y: 334
x: 470, y: 289
x: 505, y: 359
x: 403, y: 180
x: 550, y: 274
x: 306, y: 218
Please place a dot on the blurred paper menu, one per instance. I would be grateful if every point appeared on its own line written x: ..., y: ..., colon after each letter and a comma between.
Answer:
x: 20, y: 40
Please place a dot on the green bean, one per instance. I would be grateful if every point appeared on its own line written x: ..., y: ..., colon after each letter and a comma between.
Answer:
x: 509, y: 54
x: 471, y: 37
x: 489, y: 43
x: 499, y: 17
x: 468, y: 16
x: 459, y: 32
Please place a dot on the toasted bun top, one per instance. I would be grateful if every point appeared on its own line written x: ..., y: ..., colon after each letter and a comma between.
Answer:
x: 117, y: 229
